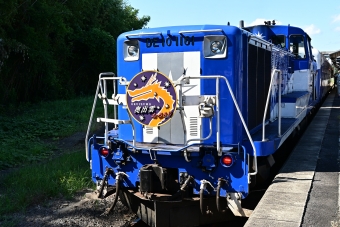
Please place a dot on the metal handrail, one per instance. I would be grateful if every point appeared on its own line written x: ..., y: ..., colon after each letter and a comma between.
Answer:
x: 195, y: 31
x: 180, y: 32
x: 267, y: 103
x: 100, y: 87
x: 143, y: 34
x: 217, y: 111
x: 207, y: 137
x: 217, y: 77
x: 281, y: 50
x: 254, y: 37
x: 274, y: 47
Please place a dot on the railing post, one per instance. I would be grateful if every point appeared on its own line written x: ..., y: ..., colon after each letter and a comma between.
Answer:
x: 105, y: 113
x: 267, y: 103
x: 219, y: 151
x: 279, y: 105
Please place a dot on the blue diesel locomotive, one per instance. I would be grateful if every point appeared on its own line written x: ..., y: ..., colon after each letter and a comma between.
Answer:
x: 197, y: 115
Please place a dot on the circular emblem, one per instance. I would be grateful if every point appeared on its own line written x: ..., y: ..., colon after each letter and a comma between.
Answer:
x: 151, y: 98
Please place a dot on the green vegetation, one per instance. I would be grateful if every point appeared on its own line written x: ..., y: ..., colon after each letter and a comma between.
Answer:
x: 31, y: 135
x: 34, y: 184
x: 51, y: 50
x: 28, y: 139
x: 56, y: 49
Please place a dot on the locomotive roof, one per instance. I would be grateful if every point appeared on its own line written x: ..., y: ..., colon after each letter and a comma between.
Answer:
x: 174, y: 29
x: 279, y: 28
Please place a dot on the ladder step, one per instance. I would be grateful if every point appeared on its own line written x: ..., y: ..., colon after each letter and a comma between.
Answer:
x: 115, y: 121
x: 118, y: 100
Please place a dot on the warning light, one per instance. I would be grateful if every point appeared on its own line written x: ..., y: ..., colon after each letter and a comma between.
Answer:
x: 227, y: 160
x: 104, y: 152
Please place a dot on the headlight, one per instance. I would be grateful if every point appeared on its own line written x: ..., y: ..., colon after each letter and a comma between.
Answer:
x: 215, y: 46
x: 131, y: 50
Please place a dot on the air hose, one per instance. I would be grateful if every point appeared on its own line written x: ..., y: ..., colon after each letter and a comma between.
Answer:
x: 204, y: 209
x: 119, y: 179
x: 220, y: 183
x: 183, y: 188
x: 101, y: 188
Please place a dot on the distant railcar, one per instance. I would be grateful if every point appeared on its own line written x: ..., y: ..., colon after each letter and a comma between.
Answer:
x: 199, y: 112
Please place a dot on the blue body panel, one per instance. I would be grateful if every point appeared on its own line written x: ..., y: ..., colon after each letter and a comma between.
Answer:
x: 230, y: 67
x: 238, y: 68
x: 174, y: 160
x: 232, y: 132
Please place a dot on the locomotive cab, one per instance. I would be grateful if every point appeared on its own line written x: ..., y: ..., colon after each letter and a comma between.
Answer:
x: 307, y: 77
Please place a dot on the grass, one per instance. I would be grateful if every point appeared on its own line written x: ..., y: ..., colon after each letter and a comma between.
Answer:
x: 38, y: 174
x: 30, y: 185
x: 23, y: 135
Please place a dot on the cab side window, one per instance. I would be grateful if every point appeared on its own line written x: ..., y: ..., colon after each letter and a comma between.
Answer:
x: 279, y: 40
x: 297, y: 46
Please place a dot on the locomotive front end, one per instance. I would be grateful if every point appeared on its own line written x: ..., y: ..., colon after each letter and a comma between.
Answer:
x: 175, y: 140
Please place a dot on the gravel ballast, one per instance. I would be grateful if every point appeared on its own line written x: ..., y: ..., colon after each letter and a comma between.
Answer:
x: 85, y: 209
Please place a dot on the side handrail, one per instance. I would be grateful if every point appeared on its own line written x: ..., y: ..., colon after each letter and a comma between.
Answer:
x: 100, y: 88
x: 267, y: 103
x: 262, y: 41
x: 217, y: 77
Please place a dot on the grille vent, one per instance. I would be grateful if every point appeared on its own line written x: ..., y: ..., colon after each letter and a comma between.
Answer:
x: 149, y: 130
x: 193, y: 126
x: 259, y: 70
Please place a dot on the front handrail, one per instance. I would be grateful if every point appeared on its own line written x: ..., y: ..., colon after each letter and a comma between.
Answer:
x: 267, y: 103
x: 134, y: 147
x: 217, y: 111
x: 207, y: 137
x: 217, y: 77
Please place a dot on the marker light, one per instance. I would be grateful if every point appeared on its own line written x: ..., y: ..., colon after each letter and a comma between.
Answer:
x: 216, y: 47
x: 104, y: 152
x: 227, y: 160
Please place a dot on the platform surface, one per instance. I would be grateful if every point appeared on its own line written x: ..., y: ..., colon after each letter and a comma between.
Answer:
x: 306, y: 190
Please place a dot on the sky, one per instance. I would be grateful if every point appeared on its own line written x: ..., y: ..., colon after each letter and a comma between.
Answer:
x: 320, y: 19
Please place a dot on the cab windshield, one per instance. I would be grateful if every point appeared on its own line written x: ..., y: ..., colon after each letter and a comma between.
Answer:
x: 297, y: 46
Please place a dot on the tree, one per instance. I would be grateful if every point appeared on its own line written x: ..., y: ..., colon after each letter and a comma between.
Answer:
x: 56, y: 49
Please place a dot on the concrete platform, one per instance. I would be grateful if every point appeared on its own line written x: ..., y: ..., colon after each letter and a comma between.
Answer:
x: 306, y: 190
